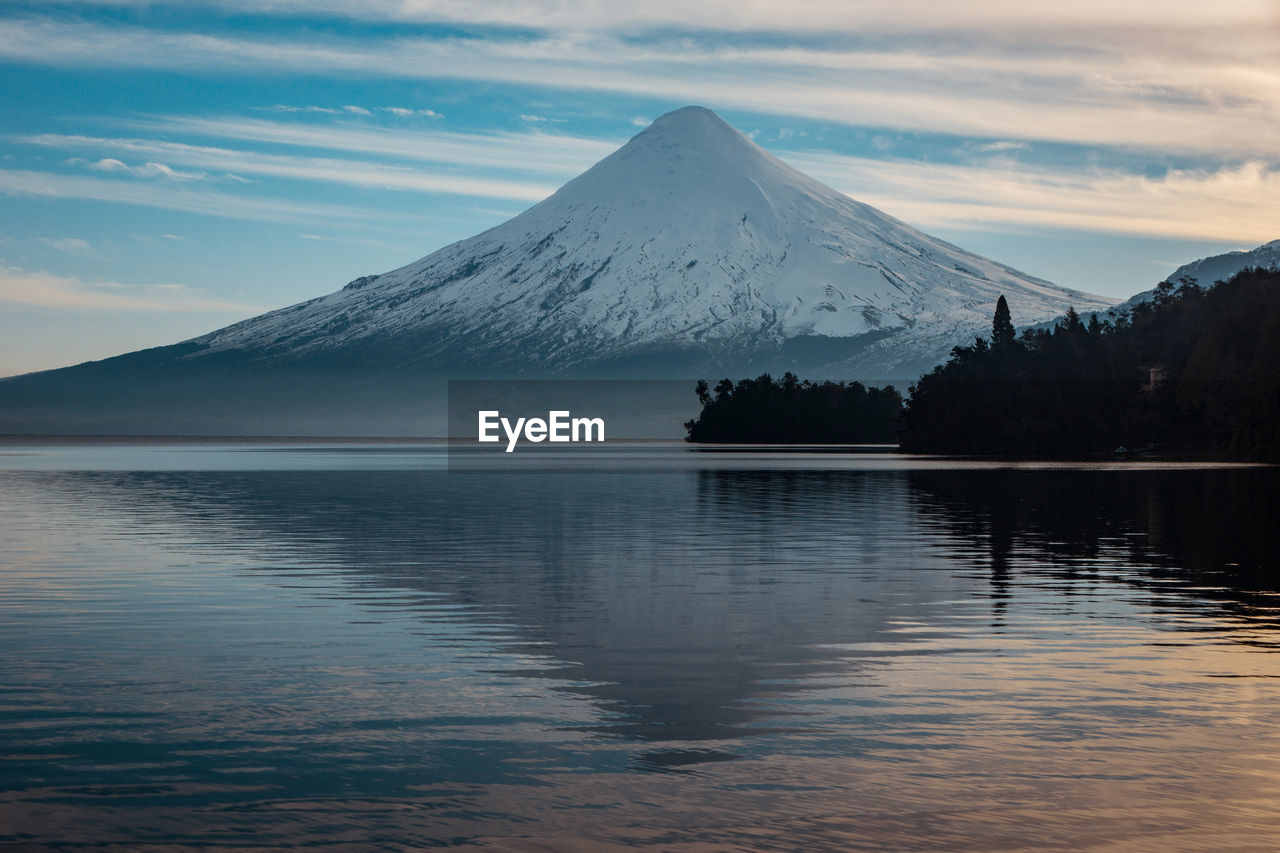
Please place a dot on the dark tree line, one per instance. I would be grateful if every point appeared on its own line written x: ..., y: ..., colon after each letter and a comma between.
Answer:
x: 788, y: 411
x: 1192, y: 371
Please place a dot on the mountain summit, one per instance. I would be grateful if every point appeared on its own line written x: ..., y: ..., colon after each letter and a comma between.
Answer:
x: 688, y: 250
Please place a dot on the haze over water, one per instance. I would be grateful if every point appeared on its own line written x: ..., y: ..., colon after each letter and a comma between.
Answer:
x: 354, y: 648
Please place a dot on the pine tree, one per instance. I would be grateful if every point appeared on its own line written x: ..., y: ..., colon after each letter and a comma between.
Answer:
x: 1002, y: 333
x: 1071, y: 322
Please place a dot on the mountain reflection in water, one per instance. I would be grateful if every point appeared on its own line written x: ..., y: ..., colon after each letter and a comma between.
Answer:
x: 752, y: 657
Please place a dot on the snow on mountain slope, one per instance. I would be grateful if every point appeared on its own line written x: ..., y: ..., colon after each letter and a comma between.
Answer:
x: 689, y: 238
x: 1216, y: 268
x: 1207, y: 272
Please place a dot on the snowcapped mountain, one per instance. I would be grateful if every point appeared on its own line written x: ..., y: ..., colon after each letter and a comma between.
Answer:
x: 688, y: 253
x: 1207, y: 272
x: 1211, y: 270
x: 690, y: 250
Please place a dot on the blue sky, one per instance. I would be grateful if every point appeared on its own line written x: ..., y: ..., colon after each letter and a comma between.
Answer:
x: 167, y: 168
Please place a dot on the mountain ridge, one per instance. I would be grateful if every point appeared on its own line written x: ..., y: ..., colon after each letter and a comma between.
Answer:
x: 1215, y: 268
x: 1211, y: 270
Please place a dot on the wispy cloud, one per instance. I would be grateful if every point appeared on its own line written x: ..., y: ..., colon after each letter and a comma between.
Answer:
x: 161, y: 239
x: 51, y: 185
x: 24, y: 287
x: 556, y: 155
x: 146, y: 170
x: 286, y: 108
x: 70, y: 245
x: 1182, y: 80
x: 797, y: 16
x: 405, y: 112
x: 330, y: 170
x: 347, y: 238
x: 1231, y: 203
x: 1000, y: 147
x: 399, y: 112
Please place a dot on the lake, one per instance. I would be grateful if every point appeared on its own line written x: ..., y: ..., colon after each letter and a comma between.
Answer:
x: 360, y: 647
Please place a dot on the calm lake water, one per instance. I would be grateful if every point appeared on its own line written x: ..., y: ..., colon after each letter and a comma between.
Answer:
x: 354, y: 648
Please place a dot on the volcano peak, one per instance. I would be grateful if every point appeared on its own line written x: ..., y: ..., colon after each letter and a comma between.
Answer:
x: 689, y: 245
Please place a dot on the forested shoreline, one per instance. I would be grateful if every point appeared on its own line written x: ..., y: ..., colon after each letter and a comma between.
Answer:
x: 1194, y: 371
x: 789, y: 411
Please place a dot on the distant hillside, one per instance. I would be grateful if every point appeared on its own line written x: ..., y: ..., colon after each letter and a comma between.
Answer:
x: 1209, y: 271
x: 1206, y: 272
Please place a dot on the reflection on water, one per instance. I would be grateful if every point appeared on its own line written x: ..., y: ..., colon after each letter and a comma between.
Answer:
x: 363, y: 650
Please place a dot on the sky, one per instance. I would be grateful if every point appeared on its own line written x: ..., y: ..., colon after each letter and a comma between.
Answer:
x: 167, y: 168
